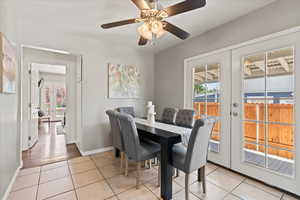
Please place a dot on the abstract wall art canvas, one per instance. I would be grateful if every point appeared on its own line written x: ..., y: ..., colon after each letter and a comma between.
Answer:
x: 123, y: 81
x: 8, y: 66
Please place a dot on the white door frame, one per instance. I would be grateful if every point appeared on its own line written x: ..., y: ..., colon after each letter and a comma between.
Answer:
x: 76, y: 79
x: 34, y: 104
x: 286, y: 183
x: 222, y: 157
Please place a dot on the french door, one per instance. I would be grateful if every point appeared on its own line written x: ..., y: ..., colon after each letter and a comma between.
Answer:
x: 265, y: 111
x: 254, y: 90
x: 53, y: 100
x: 208, y: 92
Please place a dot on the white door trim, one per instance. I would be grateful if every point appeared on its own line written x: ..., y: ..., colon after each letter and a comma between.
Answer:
x: 24, y: 78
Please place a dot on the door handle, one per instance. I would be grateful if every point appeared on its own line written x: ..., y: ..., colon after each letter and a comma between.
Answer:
x: 235, y: 114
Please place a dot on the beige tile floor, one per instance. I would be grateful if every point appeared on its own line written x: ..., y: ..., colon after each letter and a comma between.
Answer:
x: 98, y: 177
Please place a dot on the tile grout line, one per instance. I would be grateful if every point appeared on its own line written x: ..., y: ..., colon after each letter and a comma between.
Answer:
x: 59, y: 177
x: 265, y: 190
x: 26, y: 187
x: 98, y: 170
x: 104, y: 178
x: 71, y: 175
x: 253, y: 185
x: 150, y: 191
x: 54, y: 167
x: 133, y: 171
x: 38, y: 186
x: 64, y: 191
x: 230, y: 192
x: 74, y: 189
x: 116, y: 194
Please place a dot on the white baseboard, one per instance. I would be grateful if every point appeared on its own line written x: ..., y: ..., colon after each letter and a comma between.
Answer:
x: 87, y: 153
x: 6, y: 194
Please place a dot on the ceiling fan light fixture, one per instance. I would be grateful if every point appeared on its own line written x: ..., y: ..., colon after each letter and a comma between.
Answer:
x: 152, y: 29
x: 157, y: 27
x: 145, y: 31
x: 160, y: 33
x: 153, y: 15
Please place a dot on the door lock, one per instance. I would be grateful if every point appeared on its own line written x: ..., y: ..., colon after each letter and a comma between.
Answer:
x: 235, y: 105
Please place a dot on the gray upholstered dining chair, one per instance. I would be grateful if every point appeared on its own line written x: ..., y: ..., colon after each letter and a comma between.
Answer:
x: 128, y: 110
x: 194, y: 157
x: 116, y: 135
x: 135, y: 149
x: 169, y: 115
x: 185, y: 118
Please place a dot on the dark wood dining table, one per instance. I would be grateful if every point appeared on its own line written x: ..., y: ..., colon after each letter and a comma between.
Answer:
x: 166, y: 139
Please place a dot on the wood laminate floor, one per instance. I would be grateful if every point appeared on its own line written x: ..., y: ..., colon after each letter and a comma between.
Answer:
x: 50, y: 148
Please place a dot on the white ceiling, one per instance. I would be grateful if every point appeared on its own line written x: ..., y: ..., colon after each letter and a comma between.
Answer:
x: 81, y: 17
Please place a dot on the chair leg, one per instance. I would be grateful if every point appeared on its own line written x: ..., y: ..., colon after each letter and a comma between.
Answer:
x: 203, y: 179
x: 177, y: 173
x: 159, y: 176
x: 138, y: 173
x: 122, y: 161
x: 187, y: 186
x: 150, y: 164
x: 126, y: 165
x: 156, y: 161
x: 146, y: 163
x: 199, y: 175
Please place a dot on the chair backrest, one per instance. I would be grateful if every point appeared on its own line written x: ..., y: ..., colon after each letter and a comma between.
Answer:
x: 197, y: 150
x: 185, y: 118
x: 130, y: 136
x: 115, y: 130
x: 169, y: 115
x: 128, y: 110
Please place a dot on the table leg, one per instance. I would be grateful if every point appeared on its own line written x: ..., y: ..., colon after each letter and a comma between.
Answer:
x: 166, y: 171
x: 117, y: 153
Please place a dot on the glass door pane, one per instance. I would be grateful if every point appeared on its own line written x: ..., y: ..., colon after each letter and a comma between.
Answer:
x: 46, y: 100
x: 206, y: 98
x: 268, y: 111
x: 254, y: 110
x: 61, y: 102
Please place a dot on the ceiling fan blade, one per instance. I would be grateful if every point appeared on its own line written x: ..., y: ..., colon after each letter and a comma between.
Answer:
x: 142, y: 41
x: 184, y: 6
x: 141, y: 4
x: 119, y: 23
x: 176, y: 31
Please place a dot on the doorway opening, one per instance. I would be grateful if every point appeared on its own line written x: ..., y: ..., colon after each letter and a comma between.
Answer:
x: 50, y: 133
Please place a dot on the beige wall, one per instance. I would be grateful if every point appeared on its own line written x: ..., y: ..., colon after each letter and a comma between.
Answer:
x: 169, y: 64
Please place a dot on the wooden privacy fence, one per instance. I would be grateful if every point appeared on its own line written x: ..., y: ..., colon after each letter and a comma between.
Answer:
x: 279, y: 136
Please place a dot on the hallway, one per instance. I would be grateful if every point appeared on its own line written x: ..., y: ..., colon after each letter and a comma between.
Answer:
x: 51, y: 147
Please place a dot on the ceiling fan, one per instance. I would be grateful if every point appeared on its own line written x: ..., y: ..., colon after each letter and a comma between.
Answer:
x: 153, y: 18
